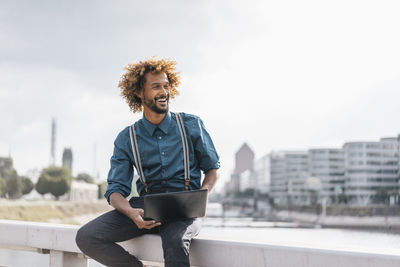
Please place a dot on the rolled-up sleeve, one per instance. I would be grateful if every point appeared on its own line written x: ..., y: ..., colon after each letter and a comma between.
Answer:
x: 121, y: 171
x: 205, y: 150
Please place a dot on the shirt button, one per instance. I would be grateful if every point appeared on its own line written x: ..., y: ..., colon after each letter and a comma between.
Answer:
x: 159, y: 137
x: 162, y: 153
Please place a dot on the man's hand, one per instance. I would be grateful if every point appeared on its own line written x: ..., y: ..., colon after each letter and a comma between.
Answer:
x: 136, y: 216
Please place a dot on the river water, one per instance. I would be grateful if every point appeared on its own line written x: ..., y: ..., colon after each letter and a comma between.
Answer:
x: 338, y: 239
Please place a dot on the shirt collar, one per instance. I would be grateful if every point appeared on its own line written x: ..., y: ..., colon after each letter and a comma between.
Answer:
x: 163, y: 126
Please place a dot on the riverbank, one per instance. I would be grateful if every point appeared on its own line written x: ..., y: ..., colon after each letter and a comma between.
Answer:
x: 387, y: 223
x: 81, y: 212
x: 69, y: 212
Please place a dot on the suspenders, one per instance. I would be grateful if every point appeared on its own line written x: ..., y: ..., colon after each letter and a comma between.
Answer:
x: 136, y: 155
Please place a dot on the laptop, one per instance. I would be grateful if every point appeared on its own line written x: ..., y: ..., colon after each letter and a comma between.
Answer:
x: 170, y: 206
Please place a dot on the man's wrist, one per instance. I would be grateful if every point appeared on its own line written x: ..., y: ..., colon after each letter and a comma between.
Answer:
x: 205, y: 187
x: 132, y: 213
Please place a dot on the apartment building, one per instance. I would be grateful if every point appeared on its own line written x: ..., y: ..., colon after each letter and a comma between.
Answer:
x: 262, y: 174
x: 327, y: 165
x: 370, y: 168
x: 289, y: 173
x: 361, y: 172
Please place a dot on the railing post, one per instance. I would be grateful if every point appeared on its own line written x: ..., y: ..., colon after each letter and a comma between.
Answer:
x: 67, y: 259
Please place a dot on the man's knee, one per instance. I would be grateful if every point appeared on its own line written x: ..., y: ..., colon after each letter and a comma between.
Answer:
x: 84, y: 238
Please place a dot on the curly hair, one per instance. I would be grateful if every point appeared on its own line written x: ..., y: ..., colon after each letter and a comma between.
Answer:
x: 133, y: 80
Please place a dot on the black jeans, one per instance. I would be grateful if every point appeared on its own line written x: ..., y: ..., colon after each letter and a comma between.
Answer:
x: 98, y: 238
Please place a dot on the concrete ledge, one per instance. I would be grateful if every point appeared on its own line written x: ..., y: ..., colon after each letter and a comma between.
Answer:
x: 204, y: 252
x: 211, y: 253
x: 38, y: 235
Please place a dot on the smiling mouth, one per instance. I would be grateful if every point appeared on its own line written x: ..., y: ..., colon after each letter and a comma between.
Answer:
x: 161, y: 99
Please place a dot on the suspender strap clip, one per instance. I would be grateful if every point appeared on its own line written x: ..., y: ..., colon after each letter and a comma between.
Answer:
x: 187, y: 182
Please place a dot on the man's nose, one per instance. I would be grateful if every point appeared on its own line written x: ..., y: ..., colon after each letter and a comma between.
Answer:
x: 165, y: 91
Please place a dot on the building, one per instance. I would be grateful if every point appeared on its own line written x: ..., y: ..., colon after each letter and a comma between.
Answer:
x: 81, y: 191
x: 279, y: 182
x: 288, y: 174
x: 371, y: 168
x: 359, y: 173
x: 247, y: 181
x: 233, y: 185
x: 327, y: 165
x: 262, y: 174
x: 67, y: 158
x: 244, y: 161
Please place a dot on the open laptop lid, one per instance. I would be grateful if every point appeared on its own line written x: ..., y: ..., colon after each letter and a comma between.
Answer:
x: 175, y: 205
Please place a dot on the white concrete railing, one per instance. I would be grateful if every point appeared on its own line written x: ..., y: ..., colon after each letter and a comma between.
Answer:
x: 59, y: 241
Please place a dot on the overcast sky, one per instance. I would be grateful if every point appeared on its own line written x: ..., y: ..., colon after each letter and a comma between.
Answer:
x: 275, y: 74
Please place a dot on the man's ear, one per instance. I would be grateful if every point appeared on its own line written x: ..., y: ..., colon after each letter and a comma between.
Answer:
x: 139, y: 94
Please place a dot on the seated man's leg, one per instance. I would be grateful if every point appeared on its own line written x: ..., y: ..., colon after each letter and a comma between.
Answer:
x: 98, y: 238
x: 176, y: 237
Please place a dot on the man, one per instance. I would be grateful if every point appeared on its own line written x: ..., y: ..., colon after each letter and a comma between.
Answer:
x: 148, y: 86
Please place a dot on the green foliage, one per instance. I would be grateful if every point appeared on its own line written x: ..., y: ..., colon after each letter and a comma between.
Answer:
x: 59, y: 186
x: 382, y: 195
x: 6, y: 167
x: 54, y: 180
x: 43, y: 184
x: 2, y: 187
x: 27, y: 185
x: 13, y: 185
x: 342, y: 198
x: 85, y: 177
x: 249, y: 192
x: 102, y: 189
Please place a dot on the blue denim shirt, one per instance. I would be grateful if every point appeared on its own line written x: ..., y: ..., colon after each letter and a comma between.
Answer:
x: 161, y: 152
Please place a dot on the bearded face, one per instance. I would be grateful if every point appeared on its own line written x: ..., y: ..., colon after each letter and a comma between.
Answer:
x: 158, y: 104
x: 155, y: 95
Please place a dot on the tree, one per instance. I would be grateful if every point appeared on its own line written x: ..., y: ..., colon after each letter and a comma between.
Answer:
x: 102, y: 189
x: 6, y: 167
x: 2, y: 187
x: 54, y: 180
x: 249, y: 192
x: 27, y: 185
x: 59, y: 186
x: 43, y: 184
x: 14, y: 185
x: 382, y: 195
x: 85, y: 177
x: 12, y: 182
x: 342, y: 198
